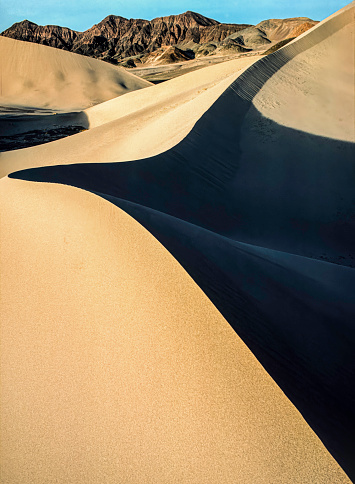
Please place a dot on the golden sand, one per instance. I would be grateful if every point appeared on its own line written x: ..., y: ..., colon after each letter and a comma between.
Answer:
x: 117, y: 368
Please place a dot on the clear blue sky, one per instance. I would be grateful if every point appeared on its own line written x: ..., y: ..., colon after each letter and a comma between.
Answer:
x: 82, y: 14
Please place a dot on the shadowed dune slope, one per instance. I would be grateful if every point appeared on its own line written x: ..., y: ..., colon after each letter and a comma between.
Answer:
x: 125, y: 128
x: 41, y: 76
x: 117, y: 368
x: 258, y: 206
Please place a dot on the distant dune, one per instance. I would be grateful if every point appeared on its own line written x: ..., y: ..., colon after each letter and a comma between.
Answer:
x: 39, y: 76
x: 177, y: 283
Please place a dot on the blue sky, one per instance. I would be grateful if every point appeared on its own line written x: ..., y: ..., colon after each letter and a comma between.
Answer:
x: 82, y: 14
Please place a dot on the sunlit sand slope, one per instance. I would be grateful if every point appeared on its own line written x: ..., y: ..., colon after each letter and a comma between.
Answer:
x: 40, y: 76
x: 117, y: 368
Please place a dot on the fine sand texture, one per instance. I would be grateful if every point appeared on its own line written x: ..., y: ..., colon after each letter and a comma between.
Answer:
x: 177, y: 284
x: 44, y: 77
x: 258, y: 207
x: 117, y: 368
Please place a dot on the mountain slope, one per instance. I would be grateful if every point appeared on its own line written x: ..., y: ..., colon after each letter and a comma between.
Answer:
x: 117, y: 37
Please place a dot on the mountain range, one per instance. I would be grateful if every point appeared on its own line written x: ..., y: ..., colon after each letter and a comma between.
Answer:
x: 130, y: 42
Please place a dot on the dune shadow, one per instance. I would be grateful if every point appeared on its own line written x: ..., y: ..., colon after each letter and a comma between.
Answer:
x: 22, y: 129
x: 292, y: 191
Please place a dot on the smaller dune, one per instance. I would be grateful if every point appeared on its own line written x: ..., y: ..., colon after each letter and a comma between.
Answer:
x: 44, y: 77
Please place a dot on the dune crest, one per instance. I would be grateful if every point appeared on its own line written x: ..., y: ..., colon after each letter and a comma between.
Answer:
x: 312, y: 86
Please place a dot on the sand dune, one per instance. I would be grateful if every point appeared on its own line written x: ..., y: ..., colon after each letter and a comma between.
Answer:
x: 244, y: 202
x: 116, y: 364
x: 322, y: 87
x: 117, y: 368
x: 126, y: 127
x: 40, y: 76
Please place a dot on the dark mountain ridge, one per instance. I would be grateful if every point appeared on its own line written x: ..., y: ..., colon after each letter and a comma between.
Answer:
x: 119, y: 37
x: 116, y: 38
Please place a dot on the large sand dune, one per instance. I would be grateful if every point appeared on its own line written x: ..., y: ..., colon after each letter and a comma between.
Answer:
x: 117, y: 365
x: 40, y: 76
x: 117, y: 368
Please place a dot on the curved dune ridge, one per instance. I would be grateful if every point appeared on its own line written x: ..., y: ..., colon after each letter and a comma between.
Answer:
x: 125, y: 128
x: 254, y: 196
x: 117, y: 368
x: 41, y: 76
